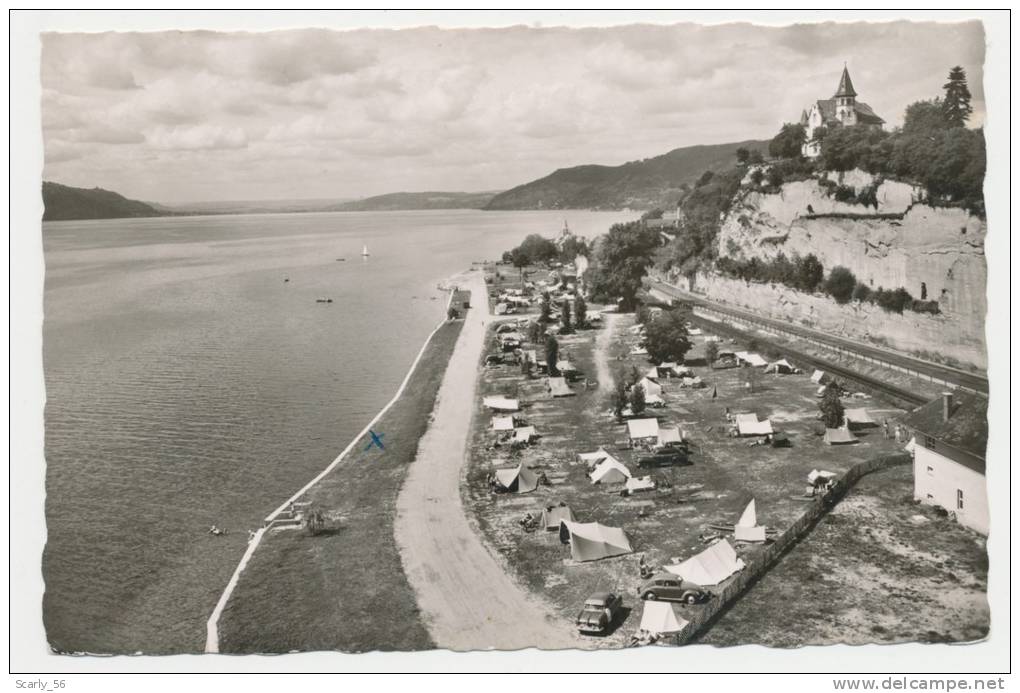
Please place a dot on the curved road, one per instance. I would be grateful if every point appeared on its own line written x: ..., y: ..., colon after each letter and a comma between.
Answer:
x: 467, y: 600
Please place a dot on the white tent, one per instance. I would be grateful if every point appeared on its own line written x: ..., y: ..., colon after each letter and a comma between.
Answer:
x: 566, y: 366
x: 911, y: 444
x: 519, y: 479
x: 502, y: 423
x: 590, y: 541
x: 750, y: 516
x: 661, y: 618
x: 643, y: 428
x: 751, y: 358
x: 554, y: 515
x: 711, y: 566
x: 501, y: 403
x: 817, y: 474
x: 859, y: 418
x: 839, y: 436
x: 749, y: 425
x: 649, y: 386
x: 558, y: 387
x: 694, y: 331
x: 635, y: 484
x: 636, y: 329
x: 593, y: 316
x: 747, y: 528
x: 638, y: 351
x: 525, y: 434
x: 654, y: 401
x: 609, y: 471
x: 781, y: 366
x: 592, y: 457
x: 670, y: 434
x: 818, y: 377
x: 653, y: 373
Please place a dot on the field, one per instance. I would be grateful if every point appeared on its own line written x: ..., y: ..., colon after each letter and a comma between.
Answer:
x: 668, y: 523
x: 922, y: 578
x: 345, y: 590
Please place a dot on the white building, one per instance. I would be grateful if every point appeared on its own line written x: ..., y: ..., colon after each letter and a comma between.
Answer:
x: 843, y: 109
x: 950, y: 437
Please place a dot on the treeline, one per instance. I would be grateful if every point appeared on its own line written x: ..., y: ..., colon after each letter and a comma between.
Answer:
x: 536, y: 249
x: 808, y: 275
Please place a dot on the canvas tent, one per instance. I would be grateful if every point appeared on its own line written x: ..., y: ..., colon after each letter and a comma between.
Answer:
x: 519, y: 479
x: 590, y: 541
x: 554, y: 515
x: 781, y: 366
x: 636, y: 484
x: 747, y: 528
x: 751, y: 358
x: 501, y: 403
x: 749, y: 425
x: 638, y: 351
x: 670, y: 435
x: 502, y: 423
x: 911, y: 444
x: 525, y: 434
x: 820, y: 474
x: 590, y: 458
x: 654, y: 401
x: 858, y: 418
x: 711, y: 566
x: 661, y: 618
x: 649, y: 386
x: 643, y: 429
x: 566, y: 366
x: 558, y: 387
x: 819, y: 377
x: 839, y: 436
x: 609, y: 471
x: 593, y: 316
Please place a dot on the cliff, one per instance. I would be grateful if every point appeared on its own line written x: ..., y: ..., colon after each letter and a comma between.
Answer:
x: 933, y: 252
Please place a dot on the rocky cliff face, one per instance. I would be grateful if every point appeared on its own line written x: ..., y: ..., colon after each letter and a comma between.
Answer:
x: 934, y: 253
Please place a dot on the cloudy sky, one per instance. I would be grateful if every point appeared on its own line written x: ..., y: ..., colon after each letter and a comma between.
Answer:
x: 189, y: 116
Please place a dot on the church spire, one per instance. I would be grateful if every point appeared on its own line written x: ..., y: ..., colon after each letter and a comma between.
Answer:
x: 846, y: 87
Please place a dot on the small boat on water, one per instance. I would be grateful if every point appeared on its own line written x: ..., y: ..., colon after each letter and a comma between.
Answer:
x: 323, y: 300
x: 364, y: 251
x: 341, y: 259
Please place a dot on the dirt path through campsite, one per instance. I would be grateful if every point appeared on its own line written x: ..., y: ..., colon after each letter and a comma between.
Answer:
x: 602, y: 342
x: 467, y: 600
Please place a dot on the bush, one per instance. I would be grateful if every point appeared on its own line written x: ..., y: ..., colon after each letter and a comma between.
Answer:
x: 757, y: 176
x: 666, y: 337
x: 808, y: 273
x: 892, y: 301
x: 452, y: 313
x: 841, y: 284
x: 787, y: 143
x: 775, y: 177
x: 925, y: 307
x: 862, y: 292
x: 831, y: 407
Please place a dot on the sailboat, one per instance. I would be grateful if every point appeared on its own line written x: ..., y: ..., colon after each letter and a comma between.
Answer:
x: 364, y: 251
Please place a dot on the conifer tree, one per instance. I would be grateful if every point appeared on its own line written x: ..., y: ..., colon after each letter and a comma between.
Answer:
x: 956, y: 108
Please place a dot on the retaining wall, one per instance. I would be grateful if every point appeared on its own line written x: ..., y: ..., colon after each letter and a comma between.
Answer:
x: 757, y: 565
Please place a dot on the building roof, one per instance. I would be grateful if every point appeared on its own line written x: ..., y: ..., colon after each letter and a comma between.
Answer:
x: 846, y: 87
x: 865, y: 115
x: 967, y: 428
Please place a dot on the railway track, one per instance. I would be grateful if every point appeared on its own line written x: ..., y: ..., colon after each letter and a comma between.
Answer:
x: 933, y: 372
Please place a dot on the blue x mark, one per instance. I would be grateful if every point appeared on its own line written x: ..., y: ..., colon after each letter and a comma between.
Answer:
x: 376, y: 440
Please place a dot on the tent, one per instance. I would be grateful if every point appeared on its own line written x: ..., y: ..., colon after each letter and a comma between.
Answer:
x: 519, y: 479
x: 911, y: 444
x: 591, y: 458
x: 661, y: 618
x: 558, y: 387
x: 839, y: 436
x: 694, y: 382
x: 639, y: 429
x: 816, y: 474
x: 654, y: 401
x: 649, y: 386
x: 502, y: 423
x: 670, y: 435
x: 525, y: 434
x: 653, y: 373
x: 711, y: 566
x: 639, y: 351
x: 751, y: 358
x: 635, y: 484
x: 781, y: 366
x: 590, y: 541
x: 858, y: 418
x: 749, y: 425
x: 747, y: 528
x: 566, y: 366
x: 750, y: 516
x: 593, y: 316
x: 501, y: 403
x: 819, y: 377
x: 694, y: 331
x: 636, y: 329
x: 553, y: 515
x: 609, y: 471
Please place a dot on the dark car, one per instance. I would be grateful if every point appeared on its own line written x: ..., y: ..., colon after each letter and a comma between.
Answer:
x: 669, y: 587
x: 665, y: 457
x: 599, y: 612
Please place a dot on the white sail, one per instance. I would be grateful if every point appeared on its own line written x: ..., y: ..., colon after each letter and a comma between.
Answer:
x: 364, y: 250
x: 750, y: 517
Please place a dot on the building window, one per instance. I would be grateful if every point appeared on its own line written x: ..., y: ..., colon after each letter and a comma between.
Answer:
x: 931, y: 471
x: 929, y: 442
x: 959, y: 499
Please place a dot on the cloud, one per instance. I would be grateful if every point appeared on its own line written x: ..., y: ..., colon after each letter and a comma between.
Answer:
x: 198, y: 138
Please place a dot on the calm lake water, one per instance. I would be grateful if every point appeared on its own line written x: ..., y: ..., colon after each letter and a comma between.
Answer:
x: 189, y: 385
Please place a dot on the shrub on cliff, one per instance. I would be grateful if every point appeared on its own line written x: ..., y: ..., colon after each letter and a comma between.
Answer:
x: 666, y: 336
x: 809, y: 273
x: 893, y: 301
x: 862, y: 292
x: 840, y: 284
x: 787, y: 143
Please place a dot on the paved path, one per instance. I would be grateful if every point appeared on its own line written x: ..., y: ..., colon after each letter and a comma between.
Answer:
x: 467, y: 600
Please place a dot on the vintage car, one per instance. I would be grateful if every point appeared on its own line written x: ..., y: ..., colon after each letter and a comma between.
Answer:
x: 665, y: 457
x: 599, y: 612
x: 669, y: 587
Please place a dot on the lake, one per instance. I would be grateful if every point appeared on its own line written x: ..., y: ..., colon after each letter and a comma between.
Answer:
x: 193, y: 380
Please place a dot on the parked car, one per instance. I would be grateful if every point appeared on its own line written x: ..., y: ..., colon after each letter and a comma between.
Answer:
x: 599, y: 612
x: 667, y: 586
x: 665, y: 457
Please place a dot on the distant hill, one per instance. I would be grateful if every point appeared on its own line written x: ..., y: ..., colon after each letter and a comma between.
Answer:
x: 415, y: 200
x: 645, y: 184
x: 63, y: 202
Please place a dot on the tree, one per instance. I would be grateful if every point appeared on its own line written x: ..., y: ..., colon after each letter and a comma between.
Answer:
x: 545, y: 310
x: 565, y: 322
x: 956, y: 108
x: 622, y: 258
x: 519, y: 259
x: 572, y: 247
x: 742, y: 155
x: 924, y: 118
x: 666, y: 337
x: 552, y: 355
x: 757, y: 176
x: 832, y: 408
x: 755, y: 157
x: 787, y: 144
x: 862, y: 292
x: 808, y: 273
x: 711, y: 352
x: 637, y: 399
x: 580, y: 312
x: 705, y: 179
x: 775, y: 177
x: 535, y: 332
x: 840, y: 284
x: 539, y: 249
x: 526, y: 366
x: 620, y: 399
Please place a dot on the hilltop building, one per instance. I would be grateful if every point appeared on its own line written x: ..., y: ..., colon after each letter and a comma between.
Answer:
x: 842, y: 109
x: 950, y: 437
